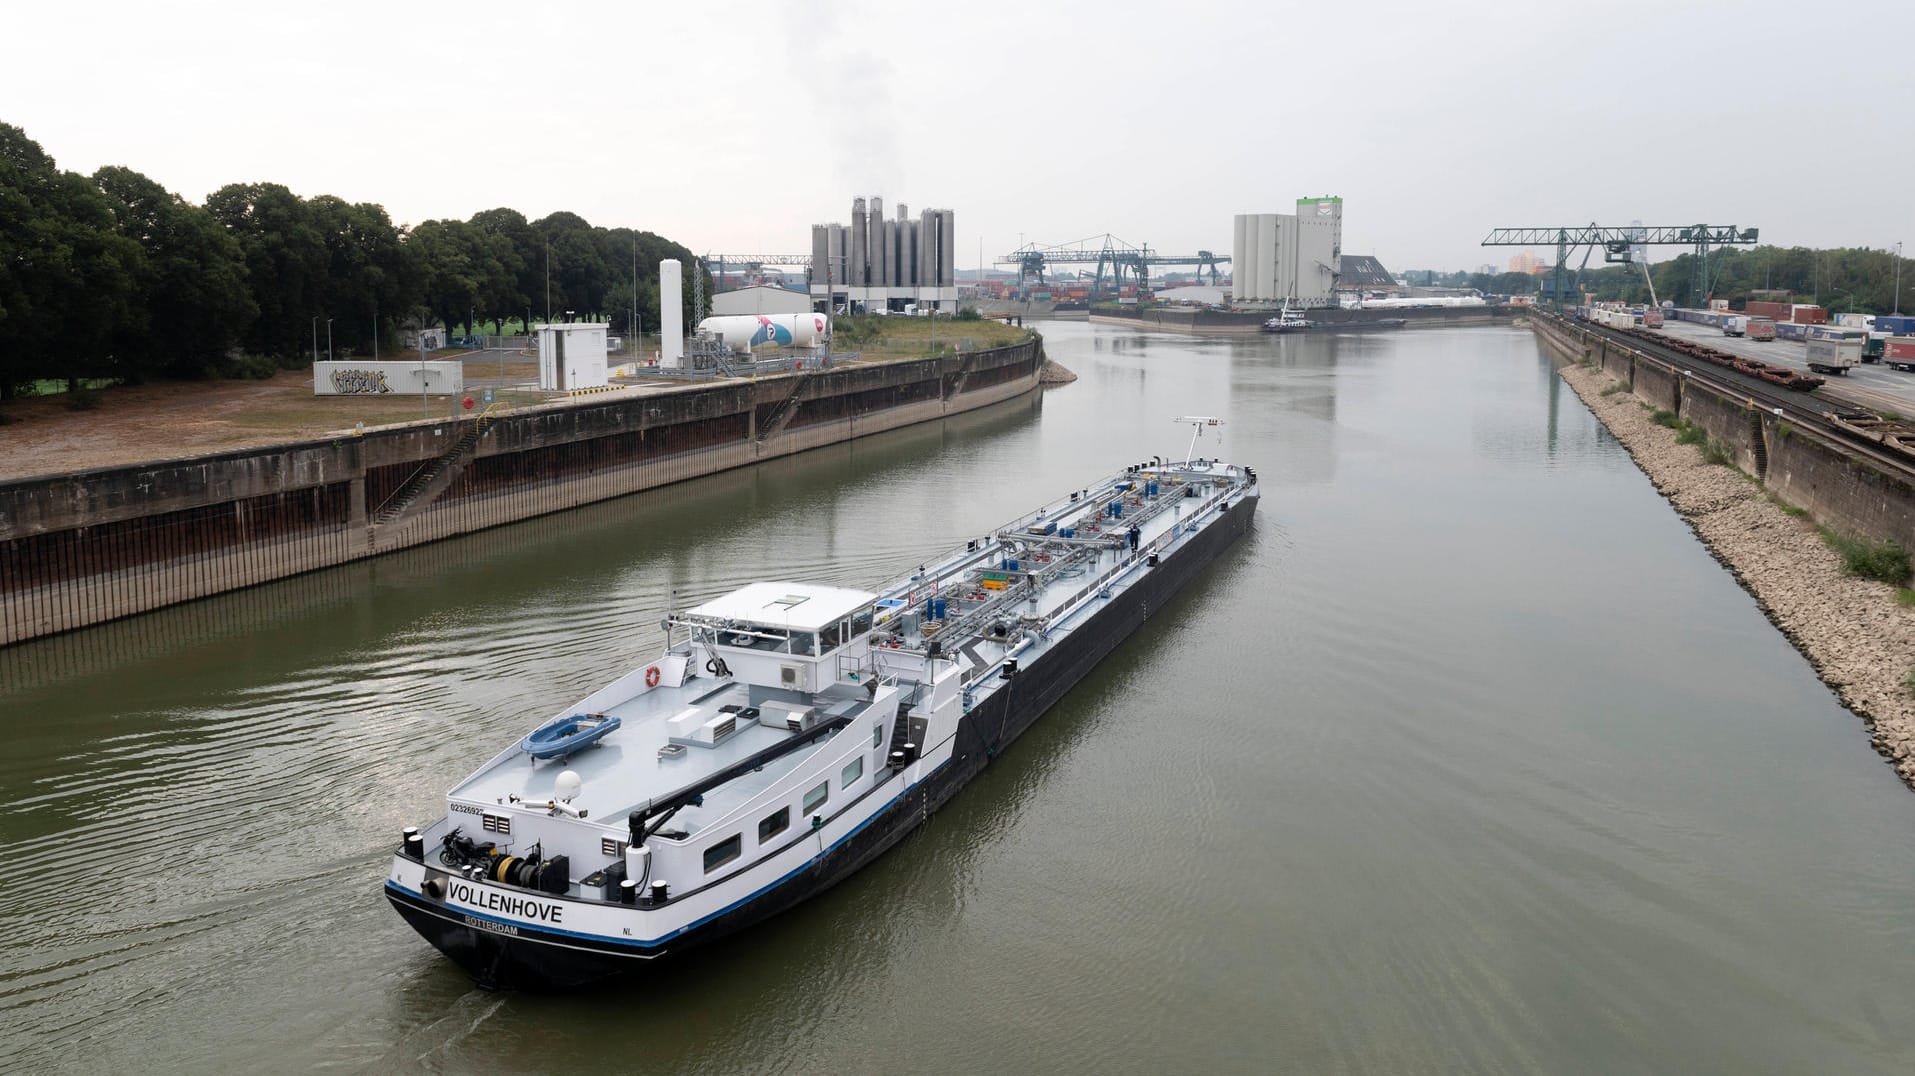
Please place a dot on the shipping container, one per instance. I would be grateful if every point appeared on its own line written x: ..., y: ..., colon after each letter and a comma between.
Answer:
x: 1778, y: 311
x: 1899, y: 352
x: 1652, y: 319
x: 1854, y: 321
x: 1789, y: 330
x: 1833, y: 356
x: 1718, y: 304
x: 1759, y: 328
x: 1895, y: 325
x: 1808, y: 315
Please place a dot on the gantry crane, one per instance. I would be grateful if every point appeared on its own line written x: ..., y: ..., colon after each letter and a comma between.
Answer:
x: 1106, y: 252
x: 1616, y: 244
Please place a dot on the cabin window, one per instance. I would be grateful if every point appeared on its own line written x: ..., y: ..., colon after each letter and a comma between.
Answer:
x: 860, y: 623
x: 804, y: 642
x: 877, y: 735
x: 851, y: 772
x: 723, y: 852
x: 773, y: 824
x: 815, y: 798
x: 829, y: 638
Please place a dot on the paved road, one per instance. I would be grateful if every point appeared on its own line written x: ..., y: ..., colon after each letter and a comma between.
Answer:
x: 1872, y: 385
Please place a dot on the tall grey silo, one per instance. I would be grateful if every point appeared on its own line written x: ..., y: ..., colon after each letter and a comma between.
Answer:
x: 874, y: 242
x: 855, y: 274
x: 834, y: 247
x: 891, y: 253
x: 947, y: 249
x: 904, y: 276
x: 908, y: 251
x: 820, y: 252
x: 928, y: 249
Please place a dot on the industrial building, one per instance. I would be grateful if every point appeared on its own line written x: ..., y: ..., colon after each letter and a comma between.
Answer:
x: 877, y: 263
x: 760, y: 299
x: 1292, y: 258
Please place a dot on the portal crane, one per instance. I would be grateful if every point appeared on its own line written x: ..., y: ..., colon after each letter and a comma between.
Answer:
x: 1616, y: 244
x: 1105, y: 252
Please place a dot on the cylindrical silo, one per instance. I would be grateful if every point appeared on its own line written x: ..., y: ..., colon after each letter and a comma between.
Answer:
x: 1270, y: 276
x: 927, y: 249
x: 834, y: 243
x: 855, y: 275
x: 874, y: 243
x: 947, y: 249
x: 820, y: 252
x: 890, y: 253
x: 1236, y: 256
x: 671, y: 313
x: 1252, y: 257
x: 908, y: 252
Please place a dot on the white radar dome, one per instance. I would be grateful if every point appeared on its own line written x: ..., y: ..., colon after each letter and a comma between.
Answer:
x: 567, y: 786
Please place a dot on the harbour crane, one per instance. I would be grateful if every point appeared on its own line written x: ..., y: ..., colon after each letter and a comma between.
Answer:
x: 1617, y: 243
x: 1106, y: 252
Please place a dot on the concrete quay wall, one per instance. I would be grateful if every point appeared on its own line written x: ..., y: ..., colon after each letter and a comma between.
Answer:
x: 1841, y: 488
x: 86, y: 548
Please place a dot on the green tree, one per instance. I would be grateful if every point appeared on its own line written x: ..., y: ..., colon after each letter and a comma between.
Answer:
x: 67, y: 277
x: 286, y: 261
x: 194, y: 301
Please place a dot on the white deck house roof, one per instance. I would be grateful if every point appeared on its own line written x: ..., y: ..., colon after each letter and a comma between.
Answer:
x: 797, y: 606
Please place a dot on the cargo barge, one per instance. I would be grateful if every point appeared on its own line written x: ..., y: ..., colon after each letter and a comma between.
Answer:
x: 1322, y: 319
x: 790, y: 733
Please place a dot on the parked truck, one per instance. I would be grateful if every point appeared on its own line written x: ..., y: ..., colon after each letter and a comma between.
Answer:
x: 1759, y: 328
x: 1833, y: 355
x: 1899, y: 352
x: 1734, y: 325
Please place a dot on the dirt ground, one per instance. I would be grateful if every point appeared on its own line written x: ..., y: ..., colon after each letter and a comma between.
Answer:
x: 162, y: 420
x: 169, y: 419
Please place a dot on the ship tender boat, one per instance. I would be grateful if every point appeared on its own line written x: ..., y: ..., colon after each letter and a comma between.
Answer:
x: 789, y: 733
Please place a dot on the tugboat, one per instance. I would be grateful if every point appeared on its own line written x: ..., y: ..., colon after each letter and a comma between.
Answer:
x: 791, y: 732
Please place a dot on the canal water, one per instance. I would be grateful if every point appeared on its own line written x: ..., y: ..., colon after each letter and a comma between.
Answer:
x: 1468, y: 758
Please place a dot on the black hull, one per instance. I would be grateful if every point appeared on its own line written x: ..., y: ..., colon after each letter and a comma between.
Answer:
x: 537, y: 960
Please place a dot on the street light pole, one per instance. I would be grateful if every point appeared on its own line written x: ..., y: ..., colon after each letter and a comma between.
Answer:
x: 315, y: 339
x: 328, y: 339
x: 1898, y: 276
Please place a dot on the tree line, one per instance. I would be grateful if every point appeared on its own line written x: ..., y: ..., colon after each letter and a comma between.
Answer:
x: 1845, y: 279
x: 113, y: 276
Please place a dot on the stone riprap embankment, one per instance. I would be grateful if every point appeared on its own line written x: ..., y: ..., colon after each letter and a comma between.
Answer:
x: 1855, y: 632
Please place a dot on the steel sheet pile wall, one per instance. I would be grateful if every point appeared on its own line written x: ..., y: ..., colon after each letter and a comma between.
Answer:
x: 83, y: 549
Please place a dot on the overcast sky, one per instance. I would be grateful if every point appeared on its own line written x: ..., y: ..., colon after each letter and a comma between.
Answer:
x: 731, y: 127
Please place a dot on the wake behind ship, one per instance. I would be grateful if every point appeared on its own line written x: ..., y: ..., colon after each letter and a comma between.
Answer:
x: 790, y: 733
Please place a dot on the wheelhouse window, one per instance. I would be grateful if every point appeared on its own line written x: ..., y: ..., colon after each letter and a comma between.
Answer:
x: 773, y: 824
x: 851, y: 772
x: 723, y: 852
x: 877, y: 735
x: 816, y: 798
x: 804, y: 642
x: 830, y: 637
x: 860, y: 622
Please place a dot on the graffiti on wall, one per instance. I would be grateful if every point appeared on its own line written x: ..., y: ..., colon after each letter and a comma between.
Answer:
x: 359, y: 382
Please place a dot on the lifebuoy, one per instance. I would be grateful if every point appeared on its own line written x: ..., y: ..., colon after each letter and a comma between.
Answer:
x: 651, y: 676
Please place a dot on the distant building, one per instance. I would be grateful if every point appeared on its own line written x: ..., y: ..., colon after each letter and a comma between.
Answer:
x: 877, y: 263
x: 760, y: 300
x: 1288, y: 257
x: 1525, y: 262
x: 1364, y: 272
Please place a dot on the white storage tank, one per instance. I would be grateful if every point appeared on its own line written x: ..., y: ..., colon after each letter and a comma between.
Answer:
x: 742, y: 332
